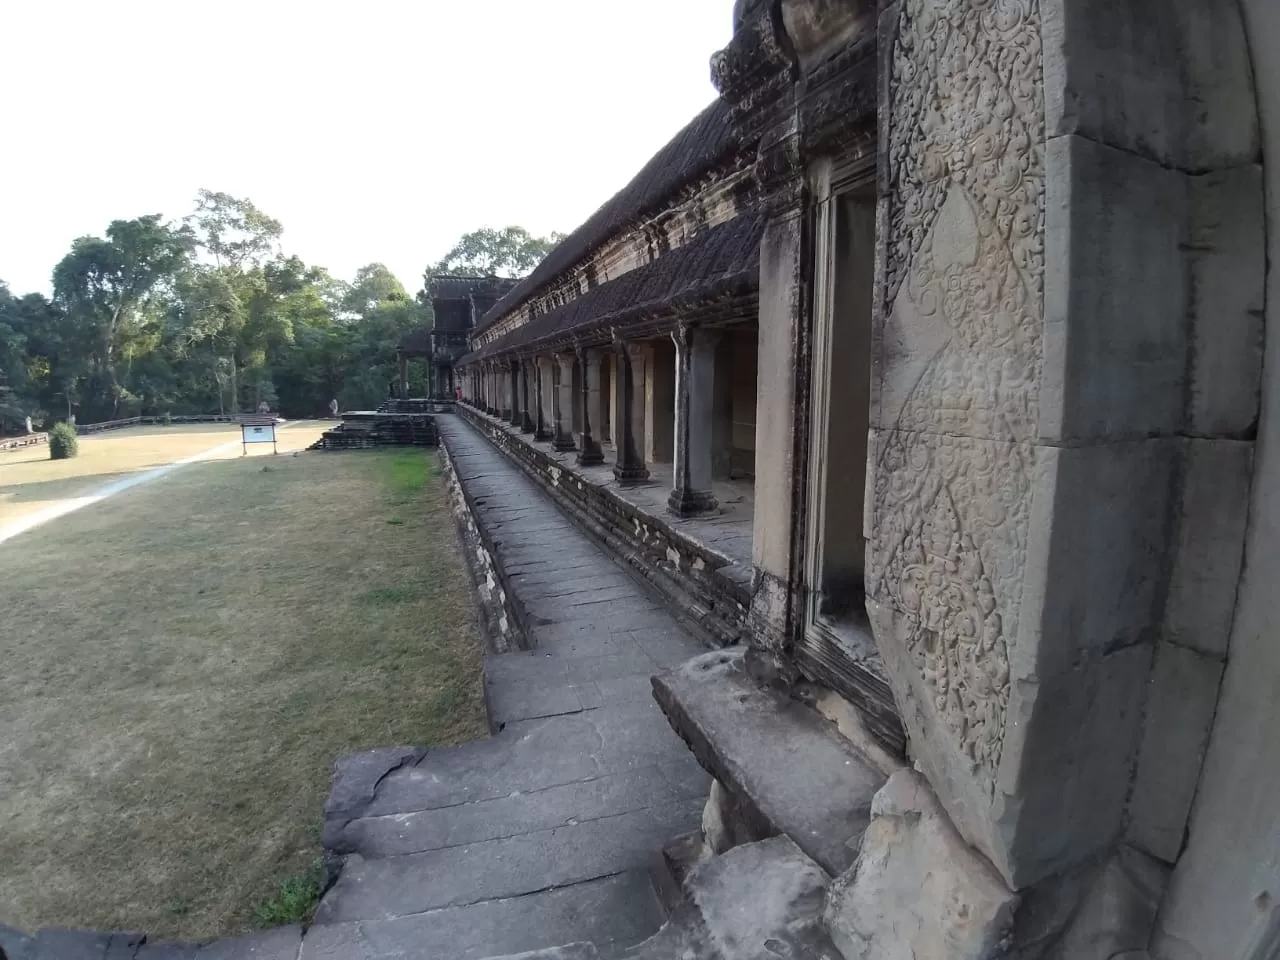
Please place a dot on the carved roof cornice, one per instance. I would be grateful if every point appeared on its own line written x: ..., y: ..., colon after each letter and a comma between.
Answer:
x: 759, y: 62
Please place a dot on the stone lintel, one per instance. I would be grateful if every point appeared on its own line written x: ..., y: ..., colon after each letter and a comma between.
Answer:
x: 788, y: 769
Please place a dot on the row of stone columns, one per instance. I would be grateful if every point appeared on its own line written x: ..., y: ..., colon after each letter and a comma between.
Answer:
x: 537, y: 395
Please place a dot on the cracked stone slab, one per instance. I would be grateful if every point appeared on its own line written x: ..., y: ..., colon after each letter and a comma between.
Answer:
x: 612, y: 912
x: 356, y: 777
x: 531, y: 755
x: 787, y: 767
x: 518, y: 813
x: 398, y: 886
x: 282, y: 943
x: 174, y: 950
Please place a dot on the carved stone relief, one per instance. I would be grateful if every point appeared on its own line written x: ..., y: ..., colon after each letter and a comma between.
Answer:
x: 962, y: 309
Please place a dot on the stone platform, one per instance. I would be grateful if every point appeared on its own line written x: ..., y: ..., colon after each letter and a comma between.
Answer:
x: 362, y: 429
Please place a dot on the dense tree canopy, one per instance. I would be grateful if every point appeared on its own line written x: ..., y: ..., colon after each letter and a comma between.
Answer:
x: 509, y: 252
x: 208, y: 315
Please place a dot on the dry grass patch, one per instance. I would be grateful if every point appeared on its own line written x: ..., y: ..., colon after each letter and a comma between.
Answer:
x: 189, y: 658
x: 30, y: 481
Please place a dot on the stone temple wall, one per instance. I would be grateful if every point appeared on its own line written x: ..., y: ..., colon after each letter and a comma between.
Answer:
x: 1066, y: 378
x: 1067, y: 369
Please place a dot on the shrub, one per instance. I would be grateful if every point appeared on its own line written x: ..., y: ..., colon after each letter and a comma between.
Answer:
x: 62, y: 442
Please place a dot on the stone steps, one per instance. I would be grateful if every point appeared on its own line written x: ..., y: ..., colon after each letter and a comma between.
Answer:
x: 612, y: 913
x: 759, y: 901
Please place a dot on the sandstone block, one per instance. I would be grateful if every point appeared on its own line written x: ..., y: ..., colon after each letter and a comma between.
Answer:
x: 917, y: 890
x: 1168, y: 80
x: 1181, y: 699
x: 1227, y: 261
x: 1212, y: 513
x: 1115, y: 297
x: 1117, y: 915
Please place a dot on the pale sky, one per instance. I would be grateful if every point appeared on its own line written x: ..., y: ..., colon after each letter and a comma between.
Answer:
x: 375, y: 131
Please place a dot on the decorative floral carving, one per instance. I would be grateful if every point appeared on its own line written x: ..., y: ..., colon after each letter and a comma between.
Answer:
x: 965, y: 260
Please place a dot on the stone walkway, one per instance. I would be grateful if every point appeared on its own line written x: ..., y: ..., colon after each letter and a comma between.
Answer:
x: 728, y: 531
x: 544, y: 834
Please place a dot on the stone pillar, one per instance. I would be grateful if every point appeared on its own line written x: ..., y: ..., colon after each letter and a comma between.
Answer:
x: 402, y: 362
x: 562, y: 401
x: 592, y: 407
x: 542, y: 422
x: 695, y: 400
x: 776, y: 606
x: 527, y: 424
x: 629, y: 465
x: 513, y: 390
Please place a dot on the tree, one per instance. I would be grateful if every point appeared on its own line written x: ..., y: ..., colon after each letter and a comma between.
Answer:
x: 232, y: 230
x: 374, y: 283
x: 509, y: 252
x: 106, y: 287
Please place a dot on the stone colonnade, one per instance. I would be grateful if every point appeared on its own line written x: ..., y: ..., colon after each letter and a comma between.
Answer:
x: 650, y: 401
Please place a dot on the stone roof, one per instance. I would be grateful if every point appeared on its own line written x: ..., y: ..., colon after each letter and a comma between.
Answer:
x: 464, y: 288
x: 481, y: 290
x: 721, y: 262
x: 696, y: 149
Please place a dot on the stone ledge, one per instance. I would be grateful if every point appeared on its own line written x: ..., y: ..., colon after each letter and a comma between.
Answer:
x: 503, y: 617
x: 788, y: 770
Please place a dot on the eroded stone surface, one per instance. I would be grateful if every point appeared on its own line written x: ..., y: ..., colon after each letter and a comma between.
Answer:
x: 1118, y: 913
x: 356, y: 778
x: 1181, y: 699
x: 570, y: 951
x: 917, y: 890
x: 788, y: 769
x: 613, y: 913
x: 761, y: 901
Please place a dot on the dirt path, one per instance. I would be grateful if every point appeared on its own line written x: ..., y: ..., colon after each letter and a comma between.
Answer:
x: 22, y: 524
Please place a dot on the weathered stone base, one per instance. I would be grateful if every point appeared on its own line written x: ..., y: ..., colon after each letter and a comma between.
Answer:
x: 590, y: 456
x: 691, y: 503
x: 760, y: 901
x: 917, y: 890
x: 631, y: 474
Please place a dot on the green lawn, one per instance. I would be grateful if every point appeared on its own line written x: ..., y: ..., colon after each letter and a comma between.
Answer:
x: 183, y: 662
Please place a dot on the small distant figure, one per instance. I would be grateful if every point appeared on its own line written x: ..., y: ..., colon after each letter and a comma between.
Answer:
x: 29, y: 430
x: 72, y: 420
x: 264, y: 407
x: 333, y: 408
